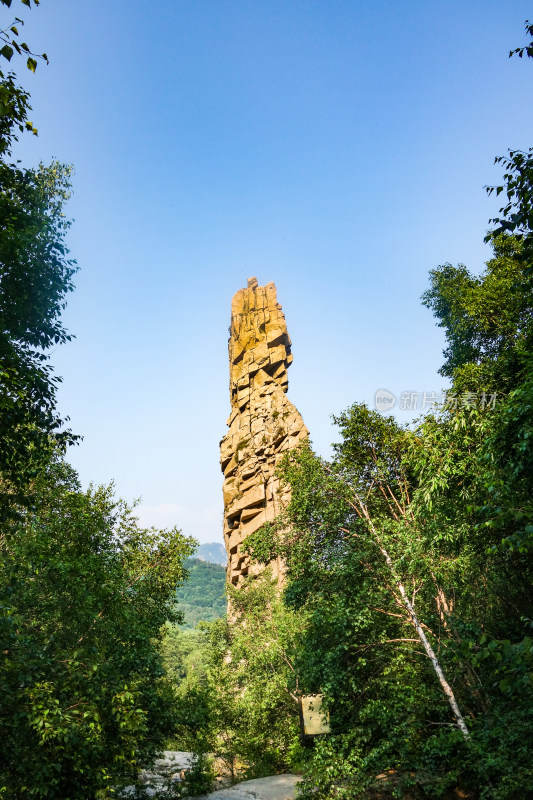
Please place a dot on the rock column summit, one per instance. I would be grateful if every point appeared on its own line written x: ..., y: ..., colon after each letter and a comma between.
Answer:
x: 263, y: 423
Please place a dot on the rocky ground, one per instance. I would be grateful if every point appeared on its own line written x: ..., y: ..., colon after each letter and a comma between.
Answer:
x: 169, y: 769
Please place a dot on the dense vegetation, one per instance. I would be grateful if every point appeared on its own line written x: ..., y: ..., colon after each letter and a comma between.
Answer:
x: 84, y: 592
x: 237, y: 685
x: 202, y: 598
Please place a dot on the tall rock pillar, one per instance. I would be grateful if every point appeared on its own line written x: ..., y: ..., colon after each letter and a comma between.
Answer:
x: 263, y: 423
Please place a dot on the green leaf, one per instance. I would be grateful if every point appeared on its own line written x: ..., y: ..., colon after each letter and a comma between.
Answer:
x: 32, y: 64
x: 7, y: 52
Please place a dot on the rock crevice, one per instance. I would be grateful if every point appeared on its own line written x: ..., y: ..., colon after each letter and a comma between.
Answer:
x: 263, y: 423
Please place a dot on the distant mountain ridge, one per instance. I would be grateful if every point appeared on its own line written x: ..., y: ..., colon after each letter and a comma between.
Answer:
x: 213, y: 552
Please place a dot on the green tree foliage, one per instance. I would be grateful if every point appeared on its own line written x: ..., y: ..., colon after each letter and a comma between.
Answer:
x: 9, y: 36
x: 14, y: 101
x: 489, y: 326
x: 517, y: 213
x: 361, y: 646
x: 241, y: 706
x: 487, y: 319
x: 398, y: 509
x: 202, y: 598
x: 184, y: 653
x: 84, y: 593
x: 262, y: 726
x: 35, y: 278
x: 527, y: 49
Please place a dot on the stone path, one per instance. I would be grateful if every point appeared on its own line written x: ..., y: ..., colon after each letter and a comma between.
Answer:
x: 276, y: 787
x: 170, y: 767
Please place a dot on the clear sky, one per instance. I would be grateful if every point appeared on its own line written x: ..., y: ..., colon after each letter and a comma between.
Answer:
x: 336, y: 147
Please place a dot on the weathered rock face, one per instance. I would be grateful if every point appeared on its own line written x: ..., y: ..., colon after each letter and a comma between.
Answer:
x: 263, y: 423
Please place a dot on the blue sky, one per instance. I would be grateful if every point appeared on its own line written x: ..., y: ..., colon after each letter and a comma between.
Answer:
x: 337, y: 148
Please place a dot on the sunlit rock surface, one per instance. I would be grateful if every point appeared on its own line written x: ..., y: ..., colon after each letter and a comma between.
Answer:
x: 263, y: 423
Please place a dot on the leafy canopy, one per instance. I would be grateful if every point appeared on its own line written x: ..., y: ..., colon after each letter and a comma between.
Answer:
x: 84, y: 593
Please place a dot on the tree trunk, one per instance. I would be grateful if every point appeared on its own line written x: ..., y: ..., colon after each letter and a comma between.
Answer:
x: 447, y: 689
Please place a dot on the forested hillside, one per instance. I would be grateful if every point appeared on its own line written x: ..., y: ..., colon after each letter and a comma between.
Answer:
x: 202, y: 597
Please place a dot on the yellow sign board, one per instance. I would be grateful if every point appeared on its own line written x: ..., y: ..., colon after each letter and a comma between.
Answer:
x: 315, y: 718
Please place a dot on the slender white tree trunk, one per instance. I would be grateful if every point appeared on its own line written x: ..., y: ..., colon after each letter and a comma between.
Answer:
x: 447, y: 689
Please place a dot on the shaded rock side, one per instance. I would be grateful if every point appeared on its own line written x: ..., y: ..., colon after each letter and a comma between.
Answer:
x: 263, y: 423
